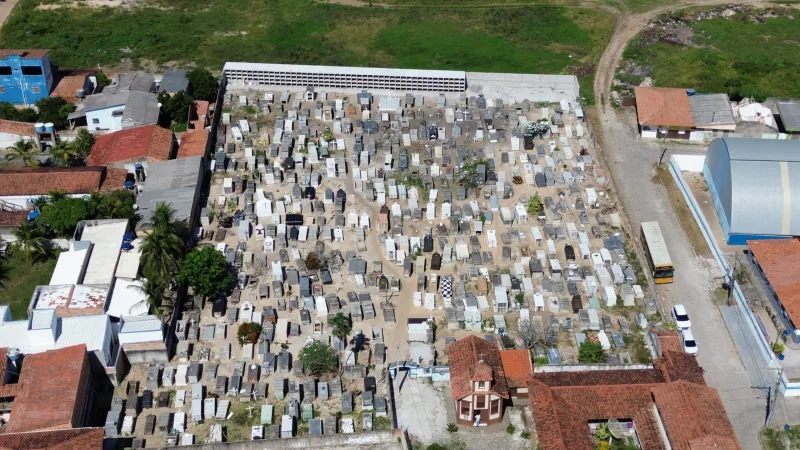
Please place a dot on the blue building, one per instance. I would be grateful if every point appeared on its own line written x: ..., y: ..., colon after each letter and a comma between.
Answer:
x: 26, y: 76
x: 755, y: 187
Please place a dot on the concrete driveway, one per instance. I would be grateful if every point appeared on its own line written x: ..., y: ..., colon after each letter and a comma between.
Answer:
x: 632, y: 165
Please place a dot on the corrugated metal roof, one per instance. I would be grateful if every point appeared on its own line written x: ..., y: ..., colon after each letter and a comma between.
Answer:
x: 711, y: 109
x: 790, y: 116
x: 757, y: 184
x: 42, y: 319
x: 175, y: 182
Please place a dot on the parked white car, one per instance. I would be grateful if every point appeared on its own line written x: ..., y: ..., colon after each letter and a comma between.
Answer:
x: 681, y: 317
x: 688, y: 342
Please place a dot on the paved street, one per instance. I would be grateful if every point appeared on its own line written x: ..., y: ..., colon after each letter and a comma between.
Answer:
x: 632, y: 165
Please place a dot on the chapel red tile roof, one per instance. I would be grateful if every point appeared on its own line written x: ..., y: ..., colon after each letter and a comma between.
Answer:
x: 564, y: 403
x: 72, y: 180
x: 148, y: 142
x: 517, y: 366
x: 193, y: 143
x: 17, y: 128
x: 657, y: 106
x: 779, y: 259
x: 72, y: 439
x: 12, y: 218
x: 54, y: 390
x: 464, y: 356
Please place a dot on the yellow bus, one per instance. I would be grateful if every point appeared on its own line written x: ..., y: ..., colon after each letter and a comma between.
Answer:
x: 655, y: 250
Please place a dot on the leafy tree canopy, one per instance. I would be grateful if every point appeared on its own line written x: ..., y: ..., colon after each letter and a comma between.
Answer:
x: 206, y: 271
x: 63, y: 215
x: 342, y: 325
x: 55, y: 110
x: 248, y: 333
x: 204, y: 85
x: 318, y: 358
x: 591, y: 352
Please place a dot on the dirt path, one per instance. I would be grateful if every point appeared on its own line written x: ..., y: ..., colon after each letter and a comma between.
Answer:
x: 5, y: 10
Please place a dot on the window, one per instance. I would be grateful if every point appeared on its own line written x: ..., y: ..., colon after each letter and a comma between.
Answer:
x: 32, y: 70
x: 5, y: 70
x: 481, y: 385
x: 480, y: 402
x: 36, y: 89
x: 96, y: 121
x: 117, y: 113
x: 495, y: 407
x: 465, y: 408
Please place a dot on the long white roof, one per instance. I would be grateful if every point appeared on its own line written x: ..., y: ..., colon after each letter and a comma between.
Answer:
x: 343, y: 70
x: 89, y: 330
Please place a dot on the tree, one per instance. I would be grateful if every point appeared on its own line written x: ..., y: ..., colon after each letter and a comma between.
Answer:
x: 83, y: 145
x: 206, y: 271
x: 31, y: 245
x: 318, y: 358
x: 162, y: 253
x: 533, y: 334
x: 116, y: 205
x: 22, y: 150
x: 102, y: 80
x: 163, y: 217
x: 591, y: 352
x: 248, y: 333
x: 177, y: 107
x: 342, y: 326
x: 534, y: 204
x: 204, y: 85
x: 64, y: 214
x: 64, y: 154
x: 154, y: 289
x: 313, y: 262
x: 55, y: 195
x: 54, y: 110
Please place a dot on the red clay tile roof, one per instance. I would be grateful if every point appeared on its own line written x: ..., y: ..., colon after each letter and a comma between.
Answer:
x: 72, y: 439
x: 149, y: 142
x: 692, y: 412
x: 482, y: 372
x: 517, y: 366
x: 18, y: 128
x: 193, y: 143
x: 464, y: 355
x: 54, y: 390
x: 669, y: 340
x: 12, y: 218
x: 34, y: 53
x: 564, y: 403
x: 663, y: 107
x: 199, y: 115
x: 114, y: 179
x: 779, y: 259
x: 69, y: 84
x: 72, y: 180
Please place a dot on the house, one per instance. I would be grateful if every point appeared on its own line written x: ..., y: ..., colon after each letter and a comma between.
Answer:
x: 477, y: 381
x: 173, y: 81
x: 178, y: 183
x: 665, y: 406
x: 73, y: 86
x: 663, y: 112
x: 26, y: 76
x: 517, y: 366
x: 130, y: 101
x: 193, y: 143
x: 22, y: 186
x: 12, y: 132
x: 749, y: 181
x: 133, y: 147
x: 777, y: 261
x: 53, y: 390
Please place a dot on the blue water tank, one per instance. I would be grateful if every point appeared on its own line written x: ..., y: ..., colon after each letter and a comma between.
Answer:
x: 49, y: 127
x: 39, y: 127
x: 690, y: 92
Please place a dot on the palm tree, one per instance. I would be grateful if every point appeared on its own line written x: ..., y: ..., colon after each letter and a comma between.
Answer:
x: 56, y: 195
x: 162, y: 253
x: 22, y: 150
x: 30, y: 244
x: 154, y: 289
x: 63, y: 154
x: 163, y: 217
x: 342, y: 326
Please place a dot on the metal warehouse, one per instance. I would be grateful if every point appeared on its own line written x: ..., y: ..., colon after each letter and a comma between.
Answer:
x: 755, y: 186
x: 345, y: 77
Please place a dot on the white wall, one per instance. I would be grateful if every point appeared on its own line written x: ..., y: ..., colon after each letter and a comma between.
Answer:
x: 8, y: 139
x: 105, y: 119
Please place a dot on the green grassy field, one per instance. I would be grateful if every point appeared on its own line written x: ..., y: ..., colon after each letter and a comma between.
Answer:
x: 734, y: 56
x: 536, y: 39
x: 21, y: 282
x: 630, y: 5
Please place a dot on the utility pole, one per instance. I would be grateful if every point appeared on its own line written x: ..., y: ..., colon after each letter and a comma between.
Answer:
x: 771, y: 401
